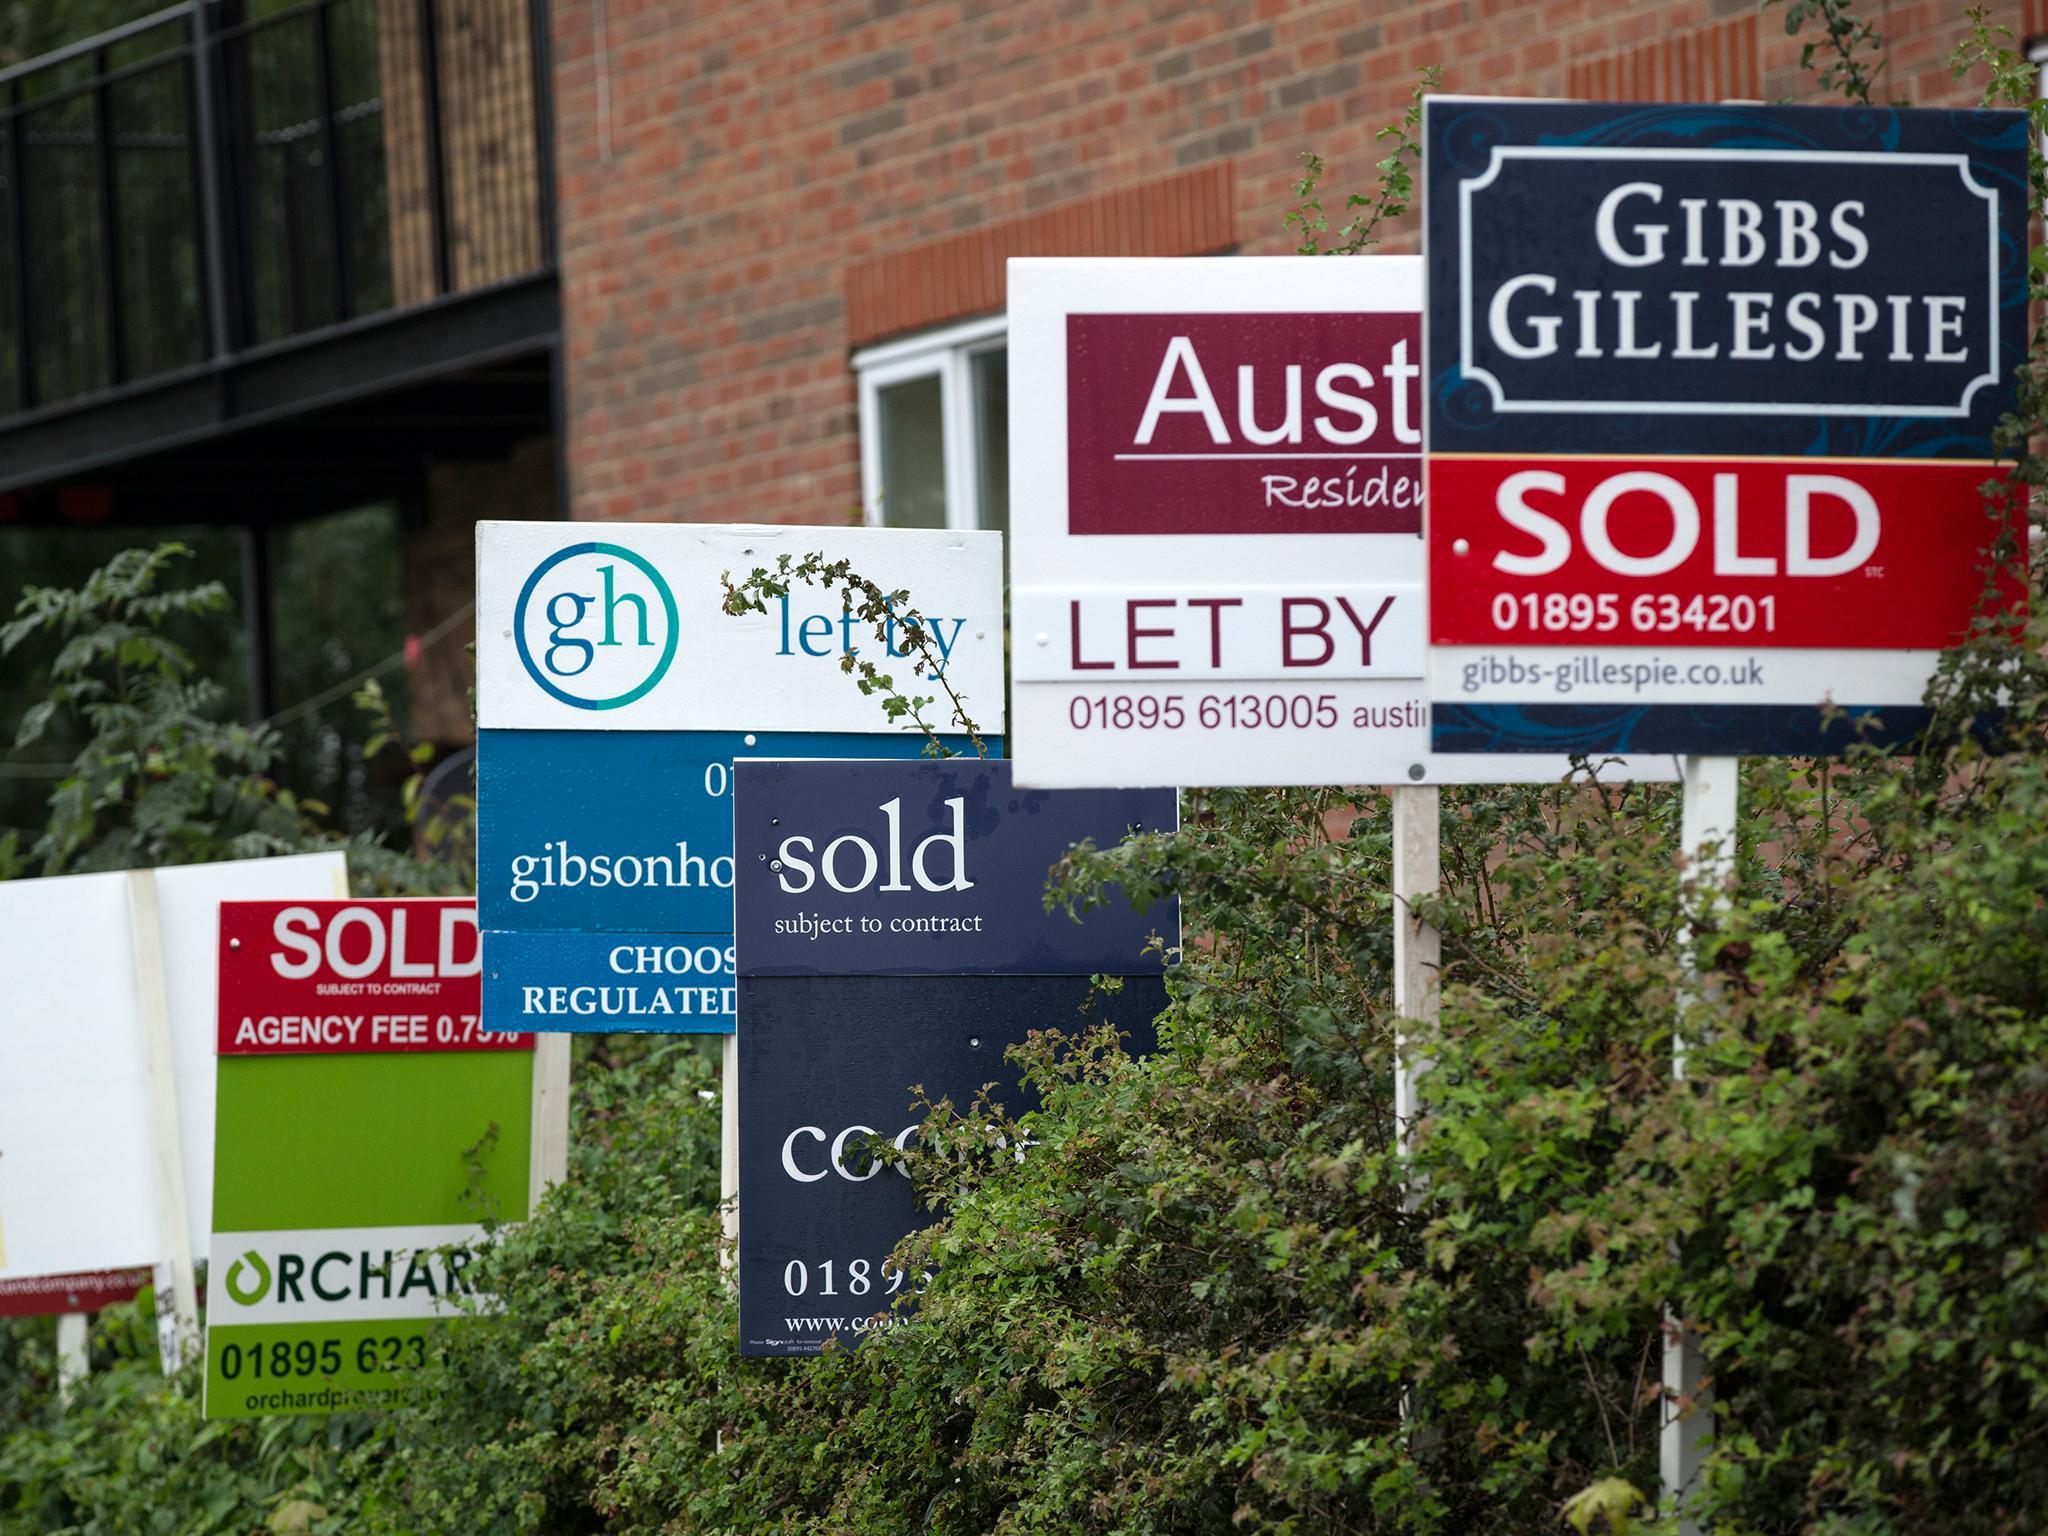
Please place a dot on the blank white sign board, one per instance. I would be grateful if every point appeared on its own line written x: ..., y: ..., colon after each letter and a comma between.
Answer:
x: 77, y: 1181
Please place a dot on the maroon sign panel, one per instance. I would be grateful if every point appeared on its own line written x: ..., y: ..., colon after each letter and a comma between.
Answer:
x: 48, y: 1295
x: 332, y: 977
x: 1244, y: 423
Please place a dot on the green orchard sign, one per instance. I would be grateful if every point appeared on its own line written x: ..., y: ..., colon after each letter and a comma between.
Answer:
x: 368, y: 1138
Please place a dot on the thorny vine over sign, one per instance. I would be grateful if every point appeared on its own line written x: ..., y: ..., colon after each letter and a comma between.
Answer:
x: 902, y: 630
x: 1389, y: 200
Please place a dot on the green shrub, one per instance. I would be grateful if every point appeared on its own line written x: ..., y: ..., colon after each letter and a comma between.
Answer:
x: 130, y: 1455
x: 1214, y: 1297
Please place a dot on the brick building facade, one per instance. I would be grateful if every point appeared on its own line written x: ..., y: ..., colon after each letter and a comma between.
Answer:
x: 753, y: 192
x: 710, y: 260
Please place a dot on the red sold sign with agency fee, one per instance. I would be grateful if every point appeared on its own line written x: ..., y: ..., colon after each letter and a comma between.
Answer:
x: 333, y: 977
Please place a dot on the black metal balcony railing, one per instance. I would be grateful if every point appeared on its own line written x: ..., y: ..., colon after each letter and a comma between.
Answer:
x: 229, y: 173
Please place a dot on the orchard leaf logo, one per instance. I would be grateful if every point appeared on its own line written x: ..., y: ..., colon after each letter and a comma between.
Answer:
x: 249, y: 1296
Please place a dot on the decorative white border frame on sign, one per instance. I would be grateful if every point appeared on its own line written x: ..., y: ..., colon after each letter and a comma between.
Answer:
x: 1502, y: 153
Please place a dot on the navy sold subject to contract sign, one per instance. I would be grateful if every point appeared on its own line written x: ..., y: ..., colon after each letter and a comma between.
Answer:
x: 1711, y: 400
x: 891, y: 935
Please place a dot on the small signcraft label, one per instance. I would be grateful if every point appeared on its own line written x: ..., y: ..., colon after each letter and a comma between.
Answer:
x: 41, y: 1295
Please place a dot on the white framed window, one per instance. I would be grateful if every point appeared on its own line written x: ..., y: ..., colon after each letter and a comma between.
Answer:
x: 935, y: 428
x: 2037, y: 55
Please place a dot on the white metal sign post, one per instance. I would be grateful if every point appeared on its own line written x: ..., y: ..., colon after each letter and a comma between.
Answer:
x: 1707, y: 823
x: 177, y: 1282
x: 1418, y: 947
x: 74, y: 1362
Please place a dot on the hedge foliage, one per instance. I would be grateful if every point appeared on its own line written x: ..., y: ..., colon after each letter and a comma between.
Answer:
x: 1208, y: 1301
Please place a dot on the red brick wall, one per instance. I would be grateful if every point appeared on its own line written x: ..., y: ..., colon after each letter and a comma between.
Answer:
x: 765, y: 170
x: 934, y: 281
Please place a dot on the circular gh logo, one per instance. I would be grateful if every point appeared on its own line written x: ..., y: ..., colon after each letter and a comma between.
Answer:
x: 595, y: 625
x: 248, y: 1295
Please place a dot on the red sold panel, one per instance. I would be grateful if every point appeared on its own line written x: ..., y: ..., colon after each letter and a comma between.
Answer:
x: 1255, y: 423
x: 332, y: 977
x: 1762, y: 552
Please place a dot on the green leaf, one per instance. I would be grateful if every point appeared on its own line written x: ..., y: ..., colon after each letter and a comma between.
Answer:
x: 1611, y: 1503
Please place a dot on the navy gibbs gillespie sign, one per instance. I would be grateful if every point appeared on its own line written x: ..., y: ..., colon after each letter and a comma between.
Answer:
x: 1711, y: 395
x: 613, y: 695
x: 892, y: 936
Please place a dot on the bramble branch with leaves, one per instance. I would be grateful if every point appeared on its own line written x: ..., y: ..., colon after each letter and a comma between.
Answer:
x: 1388, y: 201
x: 1844, y: 34
x: 902, y: 631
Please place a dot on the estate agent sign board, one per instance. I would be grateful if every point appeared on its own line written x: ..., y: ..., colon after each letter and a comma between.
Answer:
x: 1216, y: 514
x: 1711, y: 401
x: 612, y: 696
x: 369, y: 1129
x: 892, y: 933
x: 95, y: 964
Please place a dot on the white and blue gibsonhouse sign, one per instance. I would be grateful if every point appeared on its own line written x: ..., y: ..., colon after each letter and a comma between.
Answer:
x: 613, y: 694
